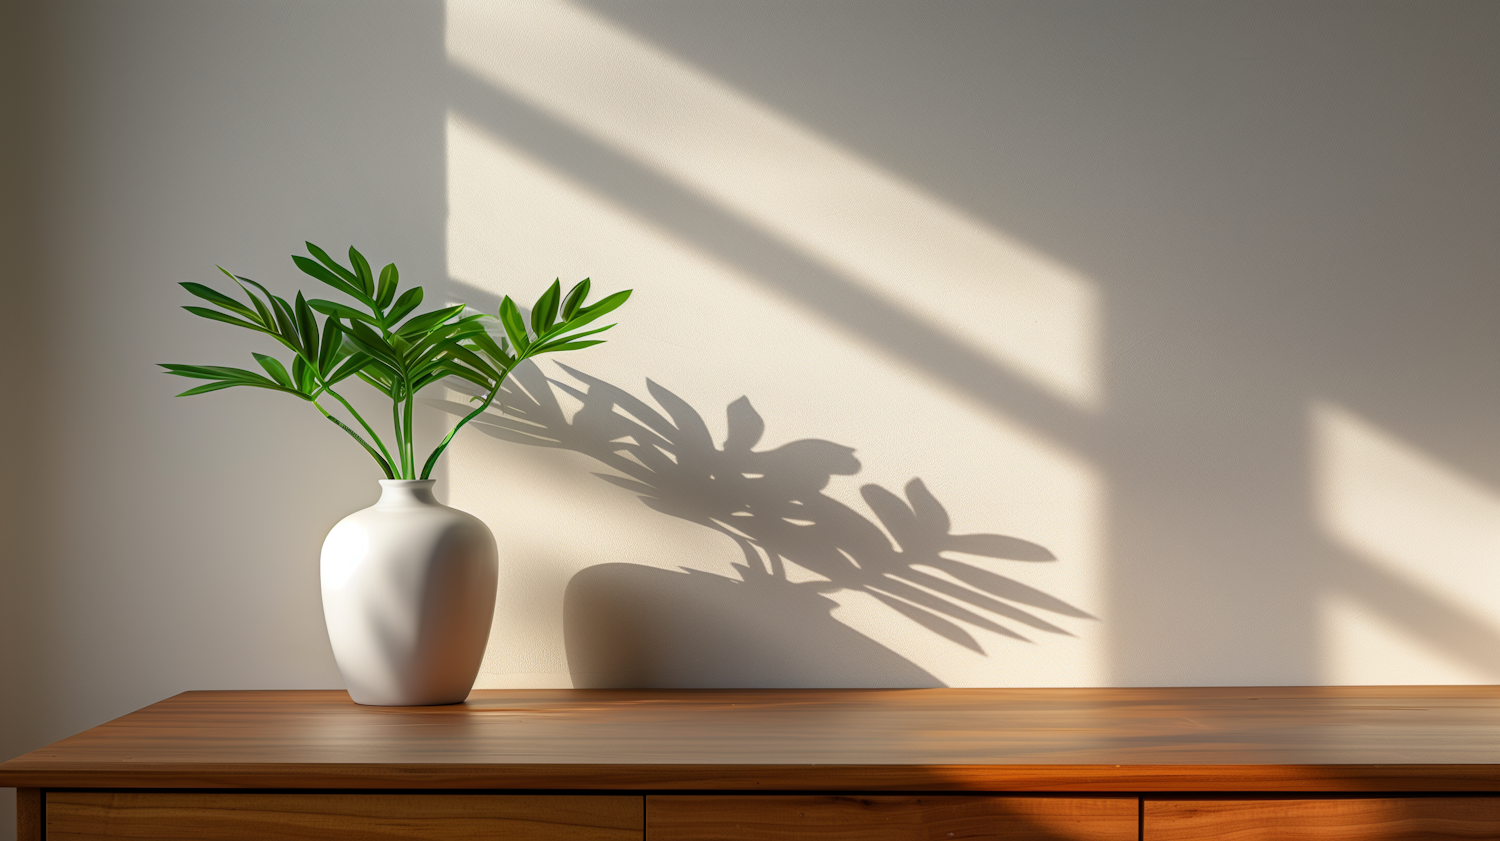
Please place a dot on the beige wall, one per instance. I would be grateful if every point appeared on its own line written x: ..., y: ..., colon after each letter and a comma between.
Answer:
x: 18, y: 729
x: 171, y: 137
x: 1195, y: 300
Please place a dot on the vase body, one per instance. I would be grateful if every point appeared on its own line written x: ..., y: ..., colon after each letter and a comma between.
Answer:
x: 409, y: 596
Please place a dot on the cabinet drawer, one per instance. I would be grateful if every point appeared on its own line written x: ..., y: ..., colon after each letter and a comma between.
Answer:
x: 1360, y: 819
x: 206, y: 816
x: 889, y: 818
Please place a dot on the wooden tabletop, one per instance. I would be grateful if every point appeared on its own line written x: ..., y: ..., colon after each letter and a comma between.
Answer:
x: 1357, y: 739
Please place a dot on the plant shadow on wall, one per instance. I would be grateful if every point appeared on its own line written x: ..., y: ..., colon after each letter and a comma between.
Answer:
x: 771, y: 624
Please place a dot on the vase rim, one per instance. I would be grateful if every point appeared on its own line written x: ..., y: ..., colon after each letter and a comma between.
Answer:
x: 405, y: 483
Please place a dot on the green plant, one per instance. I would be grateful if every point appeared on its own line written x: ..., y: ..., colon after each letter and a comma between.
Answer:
x: 399, y: 358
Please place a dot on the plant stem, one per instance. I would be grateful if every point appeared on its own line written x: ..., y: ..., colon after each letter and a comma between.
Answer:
x: 383, y: 458
x: 409, y: 467
x: 384, y: 465
x: 379, y: 443
x: 437, y: 453
x: 400, y: 439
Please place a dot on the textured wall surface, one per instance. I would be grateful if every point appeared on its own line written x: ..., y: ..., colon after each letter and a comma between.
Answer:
x: 993, y: 344
x: 15, y: 731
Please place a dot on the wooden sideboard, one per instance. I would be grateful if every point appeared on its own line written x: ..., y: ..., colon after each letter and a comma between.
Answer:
x: 1350, y: 763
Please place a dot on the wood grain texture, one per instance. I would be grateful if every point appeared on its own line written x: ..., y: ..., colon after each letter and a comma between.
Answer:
x: 1340, y: 739
x: 887, y: 818
x: 76, y: 816
x: 1376, y: 819
x: 28, y: 814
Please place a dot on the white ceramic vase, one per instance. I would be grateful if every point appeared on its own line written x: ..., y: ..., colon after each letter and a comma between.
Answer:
x: 409, y: 595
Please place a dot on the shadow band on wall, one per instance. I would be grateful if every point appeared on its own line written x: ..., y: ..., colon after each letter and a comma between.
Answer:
x: 880, y: 323
x: 629, y: 625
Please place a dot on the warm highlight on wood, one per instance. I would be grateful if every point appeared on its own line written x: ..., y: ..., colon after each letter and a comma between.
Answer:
x: 1331, y: 739
x: 887, y: 818
x: 1383, y: 819
x: 76, y: 816
x: 28, y: 814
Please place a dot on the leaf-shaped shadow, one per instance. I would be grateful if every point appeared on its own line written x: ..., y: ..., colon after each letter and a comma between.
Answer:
x: 771, y: 503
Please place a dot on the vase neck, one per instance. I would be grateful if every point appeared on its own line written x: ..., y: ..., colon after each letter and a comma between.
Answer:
x: 406, y: 492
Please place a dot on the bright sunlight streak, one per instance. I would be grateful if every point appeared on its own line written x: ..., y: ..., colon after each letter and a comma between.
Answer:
x: 1417, y: 522
x: 711, y: 335
x: 995, y: 296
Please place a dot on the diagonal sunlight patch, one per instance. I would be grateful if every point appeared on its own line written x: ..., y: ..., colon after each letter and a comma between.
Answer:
x: 717, y: 334
x: 1423, y: 609
x: 1018, y: 307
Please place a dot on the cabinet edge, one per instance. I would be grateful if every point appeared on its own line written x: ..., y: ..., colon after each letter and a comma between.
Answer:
x: 28, y: 814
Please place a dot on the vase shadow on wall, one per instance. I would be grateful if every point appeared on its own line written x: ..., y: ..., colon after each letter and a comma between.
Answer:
x: 630, y: 625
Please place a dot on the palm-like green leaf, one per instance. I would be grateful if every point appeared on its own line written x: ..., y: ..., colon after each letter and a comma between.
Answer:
x: 329, y: 345
x: 515, y: 328
x: 274, y: 367
x: 573, y: 345
x: 408, y: 301
x: 219, y: 299
x: 355, y: 363
x: 307, y: 327
x: 607, y: 305
x: 493, y: 349
x: 375, y: 345
x: 304, y: 378
x: 332, y: 264
x: 338, y: 310
x: 204, y: 389
x: 226, y: 378
x: 262, y: 311
x: 428, y: 321
x: 575, y: 299
x: 215, y: 315
x: 278, y: 320
x: 362, y: 271
x: 396, y: 360
x: 390, y: 278
x: 455, y: 332
x: 471, y: 359
x: 286, y: 324
x: 211, y: 372
x: 544, y: 314
x: 320, y: 272
x: 554, y: 343
x: 378, y: 377
x: 475, y: 377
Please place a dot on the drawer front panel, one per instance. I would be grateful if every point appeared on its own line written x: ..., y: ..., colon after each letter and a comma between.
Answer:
x: 889, y: 818
x: 208, y: 816
x: 1385, y: 819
